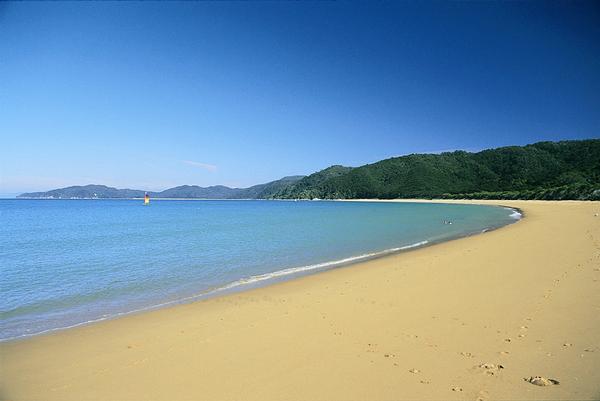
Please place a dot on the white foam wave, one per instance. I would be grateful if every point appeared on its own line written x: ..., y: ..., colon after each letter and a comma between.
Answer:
x: 234, y: 284
x: 295, y: 270
x: 515, y: 215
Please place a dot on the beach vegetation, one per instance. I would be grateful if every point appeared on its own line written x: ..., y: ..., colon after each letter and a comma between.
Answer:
x: 544, y: 170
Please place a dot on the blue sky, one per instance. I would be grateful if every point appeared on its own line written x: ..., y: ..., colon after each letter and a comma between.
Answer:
x: 153, y: 95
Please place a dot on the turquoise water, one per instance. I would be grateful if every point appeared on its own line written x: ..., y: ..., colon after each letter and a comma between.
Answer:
x: 66, y: 262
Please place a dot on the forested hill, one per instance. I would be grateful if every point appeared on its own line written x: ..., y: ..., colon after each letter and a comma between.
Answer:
x: 260, y: 191
x: 544, y: 170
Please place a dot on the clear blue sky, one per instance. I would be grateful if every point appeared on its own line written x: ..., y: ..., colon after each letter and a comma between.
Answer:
x: 153, y: 95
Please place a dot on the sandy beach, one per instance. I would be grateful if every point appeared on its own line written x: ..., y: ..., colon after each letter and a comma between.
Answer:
x: 466, y: 319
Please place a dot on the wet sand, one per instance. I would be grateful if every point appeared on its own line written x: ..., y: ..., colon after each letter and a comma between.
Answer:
x: 466, y: 319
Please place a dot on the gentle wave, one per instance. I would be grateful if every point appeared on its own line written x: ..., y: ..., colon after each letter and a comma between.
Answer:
x: 516, y: 214
x: 234, y: 284
x: 293, y: 270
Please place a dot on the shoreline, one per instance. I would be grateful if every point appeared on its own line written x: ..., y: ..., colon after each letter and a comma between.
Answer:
x: 264, y: 280
x: 415, y: 325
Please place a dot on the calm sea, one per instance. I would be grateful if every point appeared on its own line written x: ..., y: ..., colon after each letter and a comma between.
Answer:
x: 67, y: 262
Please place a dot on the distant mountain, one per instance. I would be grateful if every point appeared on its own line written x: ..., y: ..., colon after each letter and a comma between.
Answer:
x: 265, y: 191
x: 544, y: 170
x: 305, y: 187
x: 86, y: 191
x: 182, y: 192
x: 194, y: 191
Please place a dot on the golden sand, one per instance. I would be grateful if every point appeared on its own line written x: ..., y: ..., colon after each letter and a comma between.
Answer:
x: 466, y: 319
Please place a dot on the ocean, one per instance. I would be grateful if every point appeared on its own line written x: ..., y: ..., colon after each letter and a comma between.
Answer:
x: 69, y: 262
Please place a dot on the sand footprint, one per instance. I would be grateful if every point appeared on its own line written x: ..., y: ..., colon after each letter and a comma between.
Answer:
x: 482, y: 395
x: 489, y: 368
x: 541, y: 381
x: 371, y: 347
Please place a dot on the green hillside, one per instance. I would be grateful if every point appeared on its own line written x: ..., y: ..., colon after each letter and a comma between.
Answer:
x: 304, y: 187
x: 544, y: 170
x: 265, y: 191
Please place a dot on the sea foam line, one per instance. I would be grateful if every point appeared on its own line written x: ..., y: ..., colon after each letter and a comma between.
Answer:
x: 293, y: 270
x: 516, y: 214
x: 234, y: 284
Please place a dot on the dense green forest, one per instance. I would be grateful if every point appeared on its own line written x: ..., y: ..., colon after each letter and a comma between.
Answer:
x: 544, y: 170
